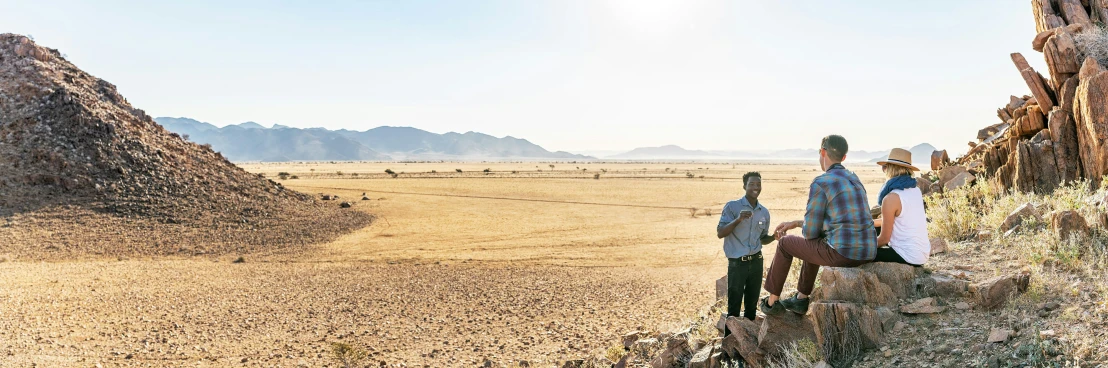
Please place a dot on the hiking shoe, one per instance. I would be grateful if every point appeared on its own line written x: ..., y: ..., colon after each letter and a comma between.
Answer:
x: 775, y: 310
x: 796, y: 305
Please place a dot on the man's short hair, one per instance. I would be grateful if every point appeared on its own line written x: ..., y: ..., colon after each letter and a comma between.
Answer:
x: 836, y: 146
x: 752, y: 174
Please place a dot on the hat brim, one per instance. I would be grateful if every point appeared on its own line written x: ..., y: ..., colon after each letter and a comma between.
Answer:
x: 910, y: 167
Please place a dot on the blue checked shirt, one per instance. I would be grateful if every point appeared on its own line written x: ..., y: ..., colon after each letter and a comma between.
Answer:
x: 838, y: 212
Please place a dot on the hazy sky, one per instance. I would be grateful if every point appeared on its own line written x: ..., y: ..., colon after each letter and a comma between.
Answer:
x: 568, y: 75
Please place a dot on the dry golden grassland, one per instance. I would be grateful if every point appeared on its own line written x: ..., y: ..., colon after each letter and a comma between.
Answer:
x: 458, y: 268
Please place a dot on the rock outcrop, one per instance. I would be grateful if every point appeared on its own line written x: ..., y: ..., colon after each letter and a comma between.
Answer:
x: 74, y: 151
x: 1059, y: 133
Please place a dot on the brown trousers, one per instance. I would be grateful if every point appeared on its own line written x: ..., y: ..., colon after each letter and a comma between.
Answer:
x: 814, y: 253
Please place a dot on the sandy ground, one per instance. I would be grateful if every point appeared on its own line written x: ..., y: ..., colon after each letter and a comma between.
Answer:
x: 459, y: 268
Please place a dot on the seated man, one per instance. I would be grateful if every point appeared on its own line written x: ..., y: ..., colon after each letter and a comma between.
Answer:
x: 837, y: 227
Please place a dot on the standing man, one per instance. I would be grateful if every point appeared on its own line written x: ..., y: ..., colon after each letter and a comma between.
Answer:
x: 744, y: 228
x: 837, y: 231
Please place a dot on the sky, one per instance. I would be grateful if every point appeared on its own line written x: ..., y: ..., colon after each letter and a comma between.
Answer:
x: 572, y: 75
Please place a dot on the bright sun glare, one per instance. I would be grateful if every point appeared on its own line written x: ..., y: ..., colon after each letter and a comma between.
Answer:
x: 649, y: 15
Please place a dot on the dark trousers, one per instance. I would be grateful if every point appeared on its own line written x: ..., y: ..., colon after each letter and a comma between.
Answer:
x: 814, y: 253
x: 886, y: 254
x: 744, y: 282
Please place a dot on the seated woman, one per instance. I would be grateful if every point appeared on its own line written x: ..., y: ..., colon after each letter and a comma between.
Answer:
x: 903, y: 235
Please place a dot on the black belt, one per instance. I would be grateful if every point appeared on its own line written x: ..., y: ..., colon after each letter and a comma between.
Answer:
x: 749, y: 258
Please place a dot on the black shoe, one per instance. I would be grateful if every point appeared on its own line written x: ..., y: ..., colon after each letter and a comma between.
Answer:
x: 775, y: 310
x: 796, y: 305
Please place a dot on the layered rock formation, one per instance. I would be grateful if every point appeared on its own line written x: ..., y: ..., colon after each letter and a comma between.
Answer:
x: 1059, y: 133
x: 82, y: 171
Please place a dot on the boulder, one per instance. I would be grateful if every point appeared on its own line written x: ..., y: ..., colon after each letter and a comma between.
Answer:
x: 1039, y: 41
x: 844, y: 330
x: 1073, y: 12
x: 1067, y: 154
x: 721, y: 325
x: 1090, y: 108
x: 994, y: 293
x: 959, y: 181
x: 924, y: 185
x: 940, y: 285
x: 777, y: 332
x: 1036, y: 167
x: 677, y: 349
x: 948, y: 173
x: 1067, y: 93
x: 1034, y: 81
x: 1067, y: 223
x: 853, y: 285
x: 938, y: 245
x: 898, y: 277
x: 888, y: 318
x: 721, y: 287
x: 1061, y: 56
x: 1043, y: 11
x: 939, y: 159
x: 702, y: 358
x: 1016, y: 218
x: 998, y: 335
x: 743, y: 341
x: 922, y: 306
x: 629, y: 339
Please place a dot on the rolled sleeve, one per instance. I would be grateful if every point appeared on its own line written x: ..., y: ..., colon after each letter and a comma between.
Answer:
x: 816, y: 212
x: 726, y: 216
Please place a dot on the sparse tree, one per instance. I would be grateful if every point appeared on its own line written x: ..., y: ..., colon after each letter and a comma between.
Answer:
x: 458, y: 170
x: 283, y: 175
x: 487, y: 171
x: 596, y: 176
x: 389, y: 171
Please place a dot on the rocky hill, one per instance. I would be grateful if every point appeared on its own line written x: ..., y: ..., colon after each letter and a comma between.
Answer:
x: 84, y: 172
x: 281, y: 143
x: 1058, y: 133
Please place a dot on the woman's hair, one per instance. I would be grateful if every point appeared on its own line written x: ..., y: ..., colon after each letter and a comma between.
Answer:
x: 892, y: 171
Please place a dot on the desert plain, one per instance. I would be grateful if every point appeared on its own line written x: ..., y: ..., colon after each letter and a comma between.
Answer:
x: 535, y: 262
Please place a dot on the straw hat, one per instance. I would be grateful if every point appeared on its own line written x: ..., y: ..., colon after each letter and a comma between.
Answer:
x: 899, y: 157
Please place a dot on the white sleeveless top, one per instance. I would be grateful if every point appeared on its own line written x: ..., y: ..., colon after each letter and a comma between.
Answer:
x: 910, y: 238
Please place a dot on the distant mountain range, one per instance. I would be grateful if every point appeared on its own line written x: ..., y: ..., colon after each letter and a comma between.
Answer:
x: 920, y: 153
x: 676, y: 152
x: 251, y: 141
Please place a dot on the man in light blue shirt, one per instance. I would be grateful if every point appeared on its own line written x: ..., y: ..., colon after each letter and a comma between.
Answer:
x: 744, y: 228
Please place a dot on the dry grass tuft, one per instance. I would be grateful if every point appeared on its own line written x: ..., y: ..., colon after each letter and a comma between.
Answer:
x: 1093, y: 42
x: 798, y: 354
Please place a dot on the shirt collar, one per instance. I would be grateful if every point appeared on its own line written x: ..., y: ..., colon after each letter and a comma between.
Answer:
x: 745, y: 202
x: 836, y: 166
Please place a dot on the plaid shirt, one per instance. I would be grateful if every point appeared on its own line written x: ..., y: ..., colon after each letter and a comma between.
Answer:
x: 838, y: 212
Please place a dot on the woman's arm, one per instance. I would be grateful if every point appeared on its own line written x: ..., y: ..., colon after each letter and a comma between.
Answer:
x: 889, y: 209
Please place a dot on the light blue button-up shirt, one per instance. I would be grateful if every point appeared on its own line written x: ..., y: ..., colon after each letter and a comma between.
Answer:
x: 747, y: 237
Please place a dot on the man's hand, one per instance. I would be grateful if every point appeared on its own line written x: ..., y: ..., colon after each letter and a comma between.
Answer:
x: 784, y: 228
x: 744, y: 215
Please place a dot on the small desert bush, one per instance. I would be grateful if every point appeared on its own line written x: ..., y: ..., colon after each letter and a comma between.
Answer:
x: 390, y: 172
x: 615, y: 352
x: 797, y: 354
x: 347, y: 355
x: 283, y: 175
x: 458, y: 170
x: 1093, y: 41
x: 596, y: 176
x: 294, y: 177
